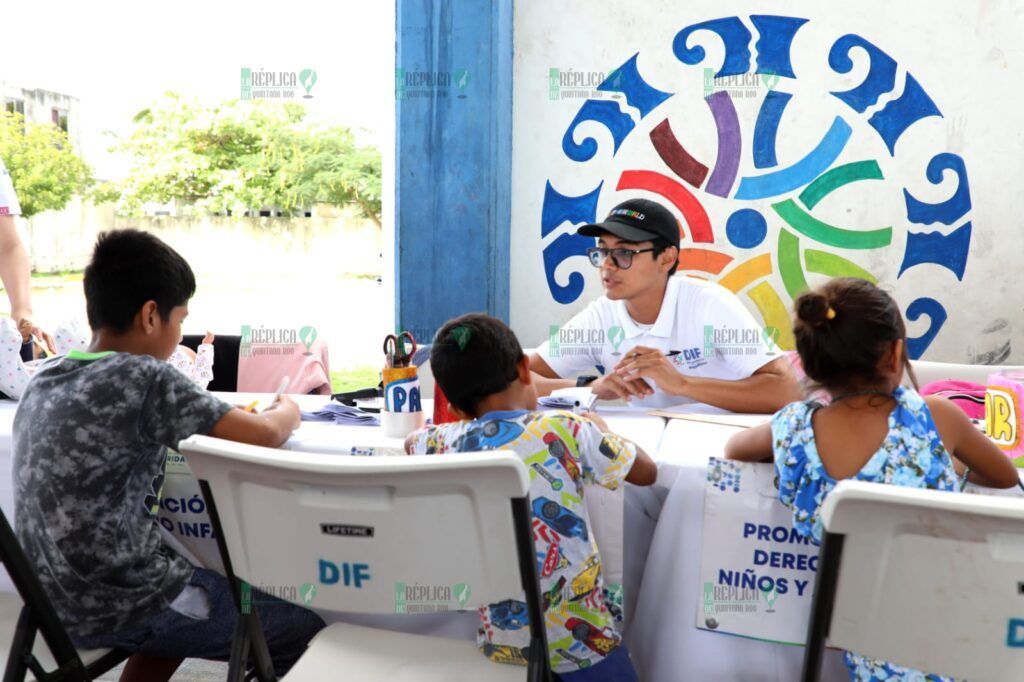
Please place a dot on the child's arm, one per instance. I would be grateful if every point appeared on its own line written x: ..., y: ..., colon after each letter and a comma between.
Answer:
x: 270, y: 428
x: 970, y: 447
x: 644, y: 471
x: 751, y: 445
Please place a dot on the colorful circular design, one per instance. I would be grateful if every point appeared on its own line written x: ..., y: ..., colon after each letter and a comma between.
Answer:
x: 781, y: 194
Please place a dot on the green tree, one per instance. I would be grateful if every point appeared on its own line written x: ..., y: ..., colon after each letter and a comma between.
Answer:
x: 246, y: 155
x: 45, y: 171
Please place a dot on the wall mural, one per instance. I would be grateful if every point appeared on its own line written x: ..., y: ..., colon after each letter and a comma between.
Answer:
x: 783, y: 193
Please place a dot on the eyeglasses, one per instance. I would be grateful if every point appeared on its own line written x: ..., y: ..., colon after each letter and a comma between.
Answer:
x: 623, y: 258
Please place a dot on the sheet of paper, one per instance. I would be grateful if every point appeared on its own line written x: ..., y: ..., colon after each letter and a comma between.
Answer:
x: 708, y: 414
x: 567, y: 398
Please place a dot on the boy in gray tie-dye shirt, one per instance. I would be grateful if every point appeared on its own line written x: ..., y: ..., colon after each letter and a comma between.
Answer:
x: 90, y: 439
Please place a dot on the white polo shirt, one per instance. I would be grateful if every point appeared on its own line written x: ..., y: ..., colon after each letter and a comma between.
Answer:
x: 8, y: 199
x: 716, y: 335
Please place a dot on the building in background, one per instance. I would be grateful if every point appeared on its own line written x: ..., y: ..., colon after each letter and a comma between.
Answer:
x: 44, y: 106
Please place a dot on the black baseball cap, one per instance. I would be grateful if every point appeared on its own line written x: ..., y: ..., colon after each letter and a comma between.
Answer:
x: 637, y: 220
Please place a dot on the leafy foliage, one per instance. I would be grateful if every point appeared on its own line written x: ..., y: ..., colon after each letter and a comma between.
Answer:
x: 45, y: 171
x: 246, y: 155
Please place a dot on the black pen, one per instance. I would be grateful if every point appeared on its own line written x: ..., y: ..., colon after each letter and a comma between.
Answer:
x: 668, y: 354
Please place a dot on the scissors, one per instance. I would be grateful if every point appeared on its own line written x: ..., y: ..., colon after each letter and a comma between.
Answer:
x: 398, y: 350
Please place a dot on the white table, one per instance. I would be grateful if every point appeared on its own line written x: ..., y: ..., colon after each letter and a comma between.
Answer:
x: 605, y: 507
x: 664, y: 643
x: 660, y: 543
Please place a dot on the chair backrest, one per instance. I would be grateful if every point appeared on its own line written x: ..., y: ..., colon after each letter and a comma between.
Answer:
x: 361, y: 530
x: 927, y: 372
x: 40, y: 612
x: 927, y: 579
x: 225, y: 360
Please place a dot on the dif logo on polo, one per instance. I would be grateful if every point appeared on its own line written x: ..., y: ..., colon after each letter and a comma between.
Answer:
x: 345, y: 573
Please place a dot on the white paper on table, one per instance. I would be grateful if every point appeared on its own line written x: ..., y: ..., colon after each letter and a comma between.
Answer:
x: 568, y: 398
x: 709, y: 414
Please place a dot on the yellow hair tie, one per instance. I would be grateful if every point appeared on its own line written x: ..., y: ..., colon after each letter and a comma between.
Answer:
x: 830, y: 314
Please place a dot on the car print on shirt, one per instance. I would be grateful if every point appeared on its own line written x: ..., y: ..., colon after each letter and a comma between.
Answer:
x: 607, y: 449
x: 556, y: 484
x: 560, y: 519
x: 509, y: 614
x: 560, y: 451
x: 553, y: 597
x: 503, y: 653
x: 554, y: 560
x: 489, y: 435
x: 585, y: 582
x: 601, y: 641
x: 581, y: 662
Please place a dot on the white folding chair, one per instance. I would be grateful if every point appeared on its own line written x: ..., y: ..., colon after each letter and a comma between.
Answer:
x: 927, y: 372
x: 379, y: 522
x: 28, y: 613
x: 925, y: 579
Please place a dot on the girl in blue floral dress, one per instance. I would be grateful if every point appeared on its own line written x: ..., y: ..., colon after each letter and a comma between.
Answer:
x: 852, y: 343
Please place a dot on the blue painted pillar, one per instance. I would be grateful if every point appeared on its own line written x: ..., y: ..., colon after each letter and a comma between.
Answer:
x: 453, y: 107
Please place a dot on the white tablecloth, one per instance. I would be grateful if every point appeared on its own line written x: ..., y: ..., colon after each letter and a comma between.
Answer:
x: 664, y: 643
x: 660, y: 546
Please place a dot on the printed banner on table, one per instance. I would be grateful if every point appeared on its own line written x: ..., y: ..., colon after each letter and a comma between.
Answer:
x: 182, y: 513
x: 756, y: 572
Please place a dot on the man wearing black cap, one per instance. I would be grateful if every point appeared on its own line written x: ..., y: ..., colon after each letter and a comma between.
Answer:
x: 662, y: 340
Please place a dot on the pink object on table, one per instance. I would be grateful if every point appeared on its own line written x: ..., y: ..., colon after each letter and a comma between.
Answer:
x: 967, y: 395
x: 1004, y: 422
x: 309, y: 371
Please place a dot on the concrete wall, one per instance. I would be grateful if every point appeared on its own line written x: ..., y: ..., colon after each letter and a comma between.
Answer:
x: 332, y: 241
x: 251, y: 246
x: 729, y: 118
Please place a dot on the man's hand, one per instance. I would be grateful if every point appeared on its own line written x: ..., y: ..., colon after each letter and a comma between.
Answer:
x: 612, y: 386
x: 651, y: 364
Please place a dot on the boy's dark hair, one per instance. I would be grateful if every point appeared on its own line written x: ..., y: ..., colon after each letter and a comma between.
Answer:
x: 474, y: 356
x: 128, y: 268
x: 844, y: 329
